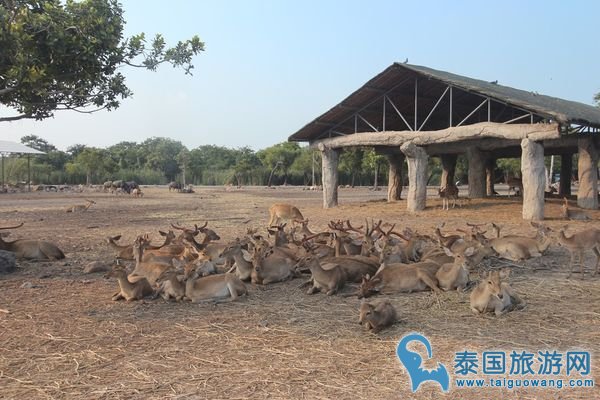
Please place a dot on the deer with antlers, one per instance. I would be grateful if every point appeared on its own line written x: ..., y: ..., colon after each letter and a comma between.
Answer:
x: 31, y: 249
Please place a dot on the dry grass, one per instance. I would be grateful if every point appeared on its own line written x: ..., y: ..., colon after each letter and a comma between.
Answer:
x: 65, y: 338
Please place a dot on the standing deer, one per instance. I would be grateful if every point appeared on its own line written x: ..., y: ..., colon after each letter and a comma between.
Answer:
x: 288, y: 212
x: 31, y: 249
x: 578, y: 243
x: 80, y: 207
x: 514, y: 184
x: 448, y: 193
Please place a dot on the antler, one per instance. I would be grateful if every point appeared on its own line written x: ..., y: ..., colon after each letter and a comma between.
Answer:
x: 13, y: 227
x: 357, y: 230
x: 179, y: 227
x: 337, y: 226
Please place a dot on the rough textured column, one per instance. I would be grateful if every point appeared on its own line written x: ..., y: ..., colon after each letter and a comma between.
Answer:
x: 566, y: 171
x: 330, y: 159
x: 417, y: 176
x: 533, y: 172
x: 490, y: 167
x: 476, y: 173
x: 448, y: 169
x: 587, y: 194
x: 395, y: 176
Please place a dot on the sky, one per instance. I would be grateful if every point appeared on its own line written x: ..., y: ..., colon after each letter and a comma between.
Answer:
x: 270, y: 67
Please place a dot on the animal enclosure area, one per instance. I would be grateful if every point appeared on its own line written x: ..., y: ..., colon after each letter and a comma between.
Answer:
x: 63, y: 337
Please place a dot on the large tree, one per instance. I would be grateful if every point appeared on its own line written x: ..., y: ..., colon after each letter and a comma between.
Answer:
x: 66, y: 55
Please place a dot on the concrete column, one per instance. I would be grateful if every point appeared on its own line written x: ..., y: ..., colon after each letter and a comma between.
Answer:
x: 417, y: 176
x: 587, y: 194
x: 395, y: 176
x: 533, y: 172
x: 330, y: 161
x: 490, y: 178
x: 448, y: 169
x: 566, y: 171
x: 476, y: 173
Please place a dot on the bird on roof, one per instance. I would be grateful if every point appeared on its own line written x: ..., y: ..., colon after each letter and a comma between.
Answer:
x: 494, y: 82
x: 406, y: 61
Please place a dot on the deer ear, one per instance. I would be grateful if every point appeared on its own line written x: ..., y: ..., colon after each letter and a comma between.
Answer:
x: 162, y: 233
x: 247, y: 256
x: 448, y: 252
x: 469, y: 251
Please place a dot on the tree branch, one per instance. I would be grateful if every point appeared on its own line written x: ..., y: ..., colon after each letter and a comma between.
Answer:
x: 15, y: 118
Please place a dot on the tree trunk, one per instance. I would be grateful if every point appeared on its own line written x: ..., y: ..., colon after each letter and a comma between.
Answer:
x: 352, y: 179
x: 566, y: 171
x: 587, y: 195
x: 417, y: 176
x: 476, y: 173
x: 448, y: 169
x: 490, y: 167
x: 533, y: 174
x: 395, y: 176
x: 330, y: 159
x: 375, y: 181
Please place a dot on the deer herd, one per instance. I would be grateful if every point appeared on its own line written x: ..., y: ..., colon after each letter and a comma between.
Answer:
x: 192, y: 263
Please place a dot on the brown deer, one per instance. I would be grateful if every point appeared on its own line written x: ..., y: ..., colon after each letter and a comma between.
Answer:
x: 578, y: 243
x: 80, y: 207
x: 575, y: 215
x: 399, y: 278
x: 536, y: 246
x: 493, y: 294
x: 129, y: 290
x: 377, y: 317
x: 169, y: 286
x: 329, y: 280
x: 448, y: 193
x: 30, y: 249
x: 269, y: 267
x: 214, y: 288
x: 151, y: 270
x: 514, y: 184
x: 287, y: 212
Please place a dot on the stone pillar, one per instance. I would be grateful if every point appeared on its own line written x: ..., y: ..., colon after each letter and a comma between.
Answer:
x: 417, y: 176
x: 448, y: 169
x: 476, y: 173
x: 533, y: 173
x: 566, y: 171
x: 330, y: 159
x: 490, y: 178
x: 395, y: 176
x: 587, y: 194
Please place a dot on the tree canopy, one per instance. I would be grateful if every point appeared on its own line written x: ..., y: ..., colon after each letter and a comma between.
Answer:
x: 65, y: 55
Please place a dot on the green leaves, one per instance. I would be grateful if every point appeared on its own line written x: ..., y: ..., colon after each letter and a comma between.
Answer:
x: 65, y: 56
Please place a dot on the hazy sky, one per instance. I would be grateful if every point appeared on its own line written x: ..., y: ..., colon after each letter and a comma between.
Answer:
x: 270, y: 67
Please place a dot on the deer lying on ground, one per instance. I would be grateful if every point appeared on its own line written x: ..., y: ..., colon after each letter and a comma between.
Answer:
x: 243, y: 269
x: 169, y: 286
x: 577, y: 244
x: 80, y: 207
x: 150, y: 270
x: 455, y: 275
x: 214, y: 288
x: 329, y: 280
x: 535, y: 246
x: 494, y: 295
x: 31, y: 249
x: 129, y: 291
x: 575, y: 215
x: 286, y: 212
x: 377, y: 317
x: 268, y: 267
x: 398, y: 278
x: 448, y: 193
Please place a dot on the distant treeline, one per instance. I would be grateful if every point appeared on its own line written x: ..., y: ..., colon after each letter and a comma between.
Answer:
x: 162, y: 160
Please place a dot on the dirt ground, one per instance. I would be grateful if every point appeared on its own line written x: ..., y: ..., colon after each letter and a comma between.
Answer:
x: 63, y: 337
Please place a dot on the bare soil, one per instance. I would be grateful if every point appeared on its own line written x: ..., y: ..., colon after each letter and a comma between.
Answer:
x: 63, y: 337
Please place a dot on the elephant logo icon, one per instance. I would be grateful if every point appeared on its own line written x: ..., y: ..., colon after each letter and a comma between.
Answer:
x: 413, y: 363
